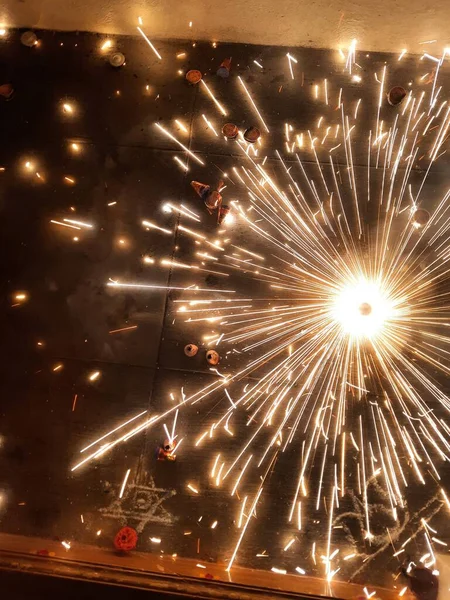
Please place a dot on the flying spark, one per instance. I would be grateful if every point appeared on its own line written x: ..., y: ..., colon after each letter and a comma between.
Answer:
x: 169, y: 135
x: 211, y: 95
x: 149, y: 43
x: 252, y: 102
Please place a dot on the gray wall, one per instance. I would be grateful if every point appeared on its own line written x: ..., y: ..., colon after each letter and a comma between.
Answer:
x: 384, y: 25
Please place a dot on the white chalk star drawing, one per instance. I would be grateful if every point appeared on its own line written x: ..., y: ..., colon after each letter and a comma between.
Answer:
x: 140, y: 505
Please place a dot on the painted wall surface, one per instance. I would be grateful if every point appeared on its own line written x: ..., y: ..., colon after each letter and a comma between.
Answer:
x: 383, y: 26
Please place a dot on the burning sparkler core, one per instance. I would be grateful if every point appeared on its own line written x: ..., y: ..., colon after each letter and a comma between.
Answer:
x: 362, y: 309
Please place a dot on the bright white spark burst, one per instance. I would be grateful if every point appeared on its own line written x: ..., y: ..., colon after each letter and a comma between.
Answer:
x: 344, y: 344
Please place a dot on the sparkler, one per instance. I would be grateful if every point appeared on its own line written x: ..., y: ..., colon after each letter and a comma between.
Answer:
x: 181, y: 125
x: 291, y: 60
x: 344, y: 345
x: 213, y: 98
x: 183, y: 165
x: 169, y: 135
x: 144, y: 286
x: 79, y: 223
x: 149, y: 43
x: 253, y: 102
x: 150, y: 225
x: 106, y: 44
x: 210, y: 125
x: 123, y: 329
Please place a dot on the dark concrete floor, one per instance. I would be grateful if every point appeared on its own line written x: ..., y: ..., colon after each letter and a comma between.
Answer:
x: 123, y: 159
